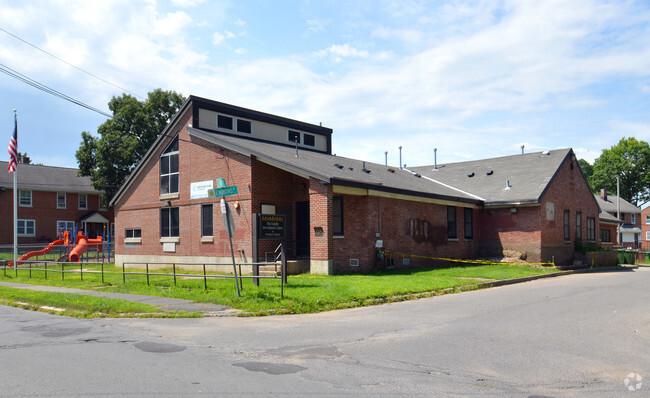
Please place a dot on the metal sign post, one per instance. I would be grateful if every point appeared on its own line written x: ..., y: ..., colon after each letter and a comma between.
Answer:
x: 230, y: 229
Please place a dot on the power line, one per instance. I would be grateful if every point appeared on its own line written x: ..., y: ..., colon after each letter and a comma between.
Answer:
x: 69, y: 64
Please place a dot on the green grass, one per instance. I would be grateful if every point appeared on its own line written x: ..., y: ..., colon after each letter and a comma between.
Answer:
x: 303, y: 293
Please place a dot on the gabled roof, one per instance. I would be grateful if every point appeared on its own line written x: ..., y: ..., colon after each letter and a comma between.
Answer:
x: 47, y: 178
x: 610, y: 205
x: 334, y: 169
x: 606, y: 218
x: 528, y: 176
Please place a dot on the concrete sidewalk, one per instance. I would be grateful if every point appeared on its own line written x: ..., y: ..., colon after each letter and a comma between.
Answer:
x: 165, y: 304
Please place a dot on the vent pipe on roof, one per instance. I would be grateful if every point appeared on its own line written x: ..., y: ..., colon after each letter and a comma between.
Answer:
x: 400, y: 157
x: 508, y: 184
x: 435, y: 159
x: 522, y: 149
x: 603, y: 194
x: 296, y: 142
x: 386, y: 156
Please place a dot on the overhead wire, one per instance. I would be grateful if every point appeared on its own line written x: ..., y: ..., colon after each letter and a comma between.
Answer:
x: 69, y: 64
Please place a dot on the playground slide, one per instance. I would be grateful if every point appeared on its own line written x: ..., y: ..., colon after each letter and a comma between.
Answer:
x: 83, y: 243
x: 47, y: 249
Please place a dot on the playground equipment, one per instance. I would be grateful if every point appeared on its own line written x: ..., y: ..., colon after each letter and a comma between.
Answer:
x: 75, y: 245
x: 47, y: 249
x: 83, y: 244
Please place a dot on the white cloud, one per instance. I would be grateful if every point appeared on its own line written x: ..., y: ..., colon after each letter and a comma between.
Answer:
x: 218, y: 38
x: 187, y: 3
x: 240, y: 51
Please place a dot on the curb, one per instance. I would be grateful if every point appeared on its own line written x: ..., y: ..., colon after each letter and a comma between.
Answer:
x: 506, y: 282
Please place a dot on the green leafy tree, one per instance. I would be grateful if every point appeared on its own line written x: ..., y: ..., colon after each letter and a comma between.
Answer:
x: 123, y: 140
x: 588, y: 171
x: 629, y: 160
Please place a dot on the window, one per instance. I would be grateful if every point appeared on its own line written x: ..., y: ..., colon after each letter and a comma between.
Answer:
x: 309, y: 140
x: 605, y: 236
x: 647, y: 235
x: 591, y: 229
x: 133, y: 233
x: 83, y: 201
x: 567, y: 225
x: 451, y: 222
x: 579, y: 225
x: 337, y: 216
x: 224, y: 122
x: 26, y: 227
x: 206, y: 220
x: 294, y: 136
x: 633, y: 218
x: 25, y: 199
x: 169, y: 221
x: 169, y: 169
x: 469, y: 223
x: 103, y: 203
x: 60, y: 200
x: 62, y: 226
x: 244, y: 126
x: 647, y: 219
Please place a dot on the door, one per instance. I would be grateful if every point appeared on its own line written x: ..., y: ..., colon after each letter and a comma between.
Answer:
x: 302, y: 229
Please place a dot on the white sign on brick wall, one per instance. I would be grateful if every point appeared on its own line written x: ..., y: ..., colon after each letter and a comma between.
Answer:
x: 200, y: 189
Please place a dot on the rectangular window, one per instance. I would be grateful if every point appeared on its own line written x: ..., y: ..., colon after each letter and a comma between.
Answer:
x: 224, y: 122
x: 605, y: 236
x: 337, y: 216
x: 633, y: 218
x: 294, y: 136
x: 591, y: 229
x: 62, y: 226
x: 567, y: 225
x: 578, y: 225
x: 169, y: 169
x: 25, y: 198
x: 103, y: 203
x: 469, y: 223
x: 206, y: 220
x: 647, y: 235
x: 451, y: 223
x: 133, y: 233
x: 83, y: 201
x: 60, y: 200
x: 169, y: 222
x: 244, y: 126
x: 309, y: 140
x: 26, y: 227
x: 647, y: 219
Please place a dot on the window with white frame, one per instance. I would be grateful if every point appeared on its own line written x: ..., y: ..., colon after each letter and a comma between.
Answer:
x: 62, y: 226
x: 26, y: 227
x: 633, y: 218
x: 647, y: 235
x: 83, y: 201
x: 647, y: 219
x: 133, y: 233
x: 25, y: 198
x: 60, y: 200
x: 224, y: 122
x: 169, y: 169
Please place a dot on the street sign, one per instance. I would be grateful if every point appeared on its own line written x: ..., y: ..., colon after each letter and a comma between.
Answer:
x: 219, y: 192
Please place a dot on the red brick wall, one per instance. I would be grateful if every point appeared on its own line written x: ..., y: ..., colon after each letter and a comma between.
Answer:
x: 503, y: 232
x: 320, y: 223
x: 45, y: 214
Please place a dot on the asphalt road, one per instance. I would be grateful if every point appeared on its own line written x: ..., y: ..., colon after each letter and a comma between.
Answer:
x: 579, y: 335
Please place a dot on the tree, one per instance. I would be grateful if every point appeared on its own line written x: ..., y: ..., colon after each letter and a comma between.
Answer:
x: 629, y: 160
x: 123, y: 140
x: 588, y: 171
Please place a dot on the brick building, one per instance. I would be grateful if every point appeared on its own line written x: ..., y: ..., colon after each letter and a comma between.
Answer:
x: 51, y: 199
x: 628, y: 233
x: 645, y: 228
x: 338, y: 210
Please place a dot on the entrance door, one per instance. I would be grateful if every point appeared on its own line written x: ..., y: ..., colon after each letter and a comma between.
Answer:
x: 302, y: 229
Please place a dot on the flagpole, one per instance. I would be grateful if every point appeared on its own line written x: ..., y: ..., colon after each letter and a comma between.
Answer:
x: 16, y: 205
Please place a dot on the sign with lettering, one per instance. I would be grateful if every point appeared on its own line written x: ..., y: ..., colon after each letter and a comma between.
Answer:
x: 199, y: 190
x: 271, y: 226
x: 219, y: 192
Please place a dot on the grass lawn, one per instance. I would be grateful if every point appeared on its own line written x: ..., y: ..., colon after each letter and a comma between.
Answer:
x: 302, y: 294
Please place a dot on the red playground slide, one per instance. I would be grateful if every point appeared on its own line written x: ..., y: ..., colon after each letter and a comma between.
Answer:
x: 47, y: 249
x: 83, y: 243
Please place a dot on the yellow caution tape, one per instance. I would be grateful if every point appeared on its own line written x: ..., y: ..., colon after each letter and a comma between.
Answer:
x: 456, y: 260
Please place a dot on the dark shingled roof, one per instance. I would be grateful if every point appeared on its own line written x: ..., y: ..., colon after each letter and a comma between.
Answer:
x: 336, y: 170
x: 46, y: 178
x: 609, y: 205
x: 528, y: 175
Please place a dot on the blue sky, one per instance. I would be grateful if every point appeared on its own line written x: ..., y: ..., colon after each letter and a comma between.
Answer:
x: 473, y: 79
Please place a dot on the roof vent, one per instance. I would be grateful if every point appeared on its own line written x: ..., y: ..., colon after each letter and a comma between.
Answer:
x: 338, y: 166
x: 391, y: 170
x: 364, y: 168
x: 471, y: 175
x: 417, y: 175
x: 546, y: 153
x: 508, y: 186
x: 351, y: 168
x: 490, y: 172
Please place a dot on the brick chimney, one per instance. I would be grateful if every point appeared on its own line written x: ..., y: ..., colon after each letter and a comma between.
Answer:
x: 603, y: 194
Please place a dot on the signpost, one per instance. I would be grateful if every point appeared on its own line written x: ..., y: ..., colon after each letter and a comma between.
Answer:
x: 228, y: 221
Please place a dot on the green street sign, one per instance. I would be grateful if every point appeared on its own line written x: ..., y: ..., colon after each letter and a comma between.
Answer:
x: 218, y: 192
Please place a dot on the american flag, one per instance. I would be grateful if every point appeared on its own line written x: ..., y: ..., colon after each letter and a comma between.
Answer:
x: 13, y: 147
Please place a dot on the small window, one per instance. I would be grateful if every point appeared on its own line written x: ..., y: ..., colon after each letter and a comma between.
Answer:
x: 25, y: 199
x: 206, y: 220
x: 647, y: 235
x: 451, y: 223
x: 83, y: 201
x: 567, y: 225
x: 309, y: 140
x: 294, y: 136
x: 224, y: 122
x: 26, y: 227
x: 469, y: 223
x: 131, y: 233
x: 633, y: 218
x: 60, y: 200
x: 591, y: 229
x: 578, y: 225
x: 62, y: 226
x: 244, y: 126
x: 169, y: 222
x: 169, y: 169
x: 103, y: 203
x: 337, y: 216
x: 605, y: 236
x: 647, y: 219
